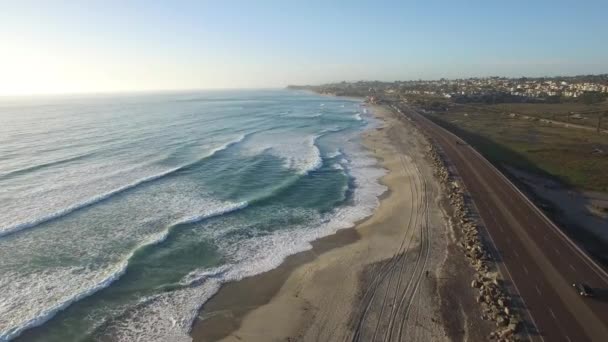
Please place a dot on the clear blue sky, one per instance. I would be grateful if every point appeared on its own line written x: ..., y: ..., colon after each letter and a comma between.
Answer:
x: 80, y: 46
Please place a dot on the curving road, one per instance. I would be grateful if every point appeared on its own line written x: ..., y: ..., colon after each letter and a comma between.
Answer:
x: 539, y: 259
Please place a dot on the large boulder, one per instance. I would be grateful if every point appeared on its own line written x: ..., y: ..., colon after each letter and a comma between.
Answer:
x: 501, y: 321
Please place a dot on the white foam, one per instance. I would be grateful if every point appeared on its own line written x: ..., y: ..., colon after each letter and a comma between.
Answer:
x: 169, y: 316
x: 312, y: 161
x: 26, y: 312
x: 96, y: 199
x: 24, y: 317
x: 218, y: 212
x: 102, y: 197
x: 298, y: 151
x: 305, y: 116
x: 334, y: 154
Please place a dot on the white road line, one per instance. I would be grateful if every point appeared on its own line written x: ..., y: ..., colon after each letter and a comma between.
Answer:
x: 567, y: 338
x: 537, y: 289
x: 516, y: 254
x: 552, y: 314
x: 572, y: 267
x: 506, y: 270
x: 525, y: 269
x: 586, y: 258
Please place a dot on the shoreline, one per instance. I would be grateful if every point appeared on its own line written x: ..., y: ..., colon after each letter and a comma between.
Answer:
x: 320, y: 294
x: 223, y: 313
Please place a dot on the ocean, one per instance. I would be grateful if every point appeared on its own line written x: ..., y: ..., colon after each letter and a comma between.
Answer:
x: 122, y: 214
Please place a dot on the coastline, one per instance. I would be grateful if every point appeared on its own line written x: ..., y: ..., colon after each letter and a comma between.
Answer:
x: 324, y: 293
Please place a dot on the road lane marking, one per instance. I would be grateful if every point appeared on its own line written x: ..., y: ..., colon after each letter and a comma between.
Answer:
x: 537, y: 289
x: 516, y: 254
x: 552, y: 314
x: 538, y: 254
x: 557, y: 251
x: 443, y: 133
x: 572, y: 267
x: 567, y: 338
x: 525, y: 269
x: 506, y: 269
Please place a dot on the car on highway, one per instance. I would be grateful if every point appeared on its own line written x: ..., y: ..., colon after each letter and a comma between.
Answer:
x: 583, y: 289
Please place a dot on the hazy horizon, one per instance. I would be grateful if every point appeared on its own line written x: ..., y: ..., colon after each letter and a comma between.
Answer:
x: 60, y: 47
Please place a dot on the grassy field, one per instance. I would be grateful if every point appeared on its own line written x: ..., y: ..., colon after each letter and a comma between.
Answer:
x: 558, y: 111
x: 575, y: 157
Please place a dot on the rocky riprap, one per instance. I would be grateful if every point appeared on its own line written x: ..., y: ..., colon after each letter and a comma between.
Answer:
x: 492, y: 296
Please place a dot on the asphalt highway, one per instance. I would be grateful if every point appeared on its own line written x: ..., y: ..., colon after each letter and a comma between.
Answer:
x: 538, y: 258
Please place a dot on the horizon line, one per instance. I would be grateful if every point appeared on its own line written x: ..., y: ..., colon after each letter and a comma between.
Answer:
x: 180, y: 90
x: 126, y: 92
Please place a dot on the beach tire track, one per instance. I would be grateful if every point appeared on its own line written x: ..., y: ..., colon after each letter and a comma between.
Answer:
x: 396, y: 306
x: 387, y: 267
x: 425, y: 245
x: 402, y: 260
x: 415, y: 273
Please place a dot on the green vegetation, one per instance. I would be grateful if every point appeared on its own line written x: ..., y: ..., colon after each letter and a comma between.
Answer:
x: 547, y: 126
x: 576, y: 157
x: 576, y: 113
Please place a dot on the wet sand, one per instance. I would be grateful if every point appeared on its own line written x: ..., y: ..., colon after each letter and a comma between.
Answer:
x: 381, y: 279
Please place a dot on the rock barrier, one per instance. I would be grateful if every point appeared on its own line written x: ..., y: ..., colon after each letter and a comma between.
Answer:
x: 496, y: 305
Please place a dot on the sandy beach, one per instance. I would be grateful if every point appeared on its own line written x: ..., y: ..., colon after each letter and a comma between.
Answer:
x: 394, y: 276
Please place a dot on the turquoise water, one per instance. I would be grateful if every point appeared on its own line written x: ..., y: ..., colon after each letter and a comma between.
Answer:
x: 123, y: 214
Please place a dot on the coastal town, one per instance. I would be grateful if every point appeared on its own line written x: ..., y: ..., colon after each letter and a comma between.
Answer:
x: 304, y: 171
x: 588, y: 89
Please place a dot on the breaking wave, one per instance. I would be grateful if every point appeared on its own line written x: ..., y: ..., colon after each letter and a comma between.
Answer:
x: 100, y: 198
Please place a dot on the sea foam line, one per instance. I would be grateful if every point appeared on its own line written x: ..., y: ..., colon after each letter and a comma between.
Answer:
x: 256, y: 256
x: 28, y: 169
x: 368, y: 188
x: 119, y: 270
x: 316, y: 161
x: 48, y: 313
x: 226, y: 210
x: 100, y: 198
